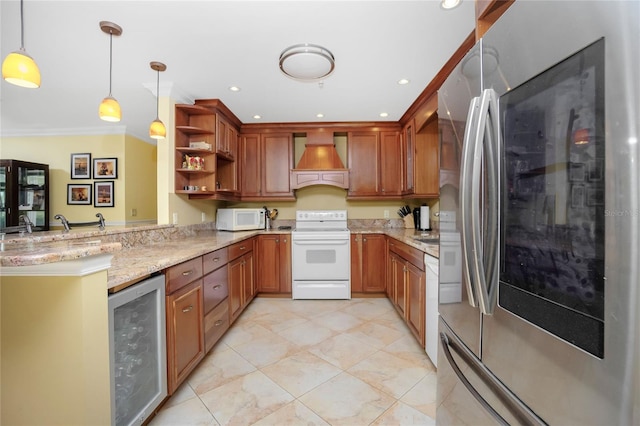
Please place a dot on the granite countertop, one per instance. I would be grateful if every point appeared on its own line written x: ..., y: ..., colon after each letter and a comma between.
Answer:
x: 143, y: 250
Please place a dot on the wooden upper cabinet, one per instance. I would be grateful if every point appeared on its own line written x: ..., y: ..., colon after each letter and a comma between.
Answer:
x: 427, y: 161
x: 408, y: 144
x: 363, y: 151
x: 390, y: 163
x: 251, y: 162
x: 277, y: 162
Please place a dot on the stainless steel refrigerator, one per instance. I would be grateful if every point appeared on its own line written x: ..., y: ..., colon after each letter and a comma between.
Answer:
x: 540, y: 161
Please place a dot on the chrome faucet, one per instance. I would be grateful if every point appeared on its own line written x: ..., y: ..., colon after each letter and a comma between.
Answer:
x: 27, y: 223
x: 64, y: 221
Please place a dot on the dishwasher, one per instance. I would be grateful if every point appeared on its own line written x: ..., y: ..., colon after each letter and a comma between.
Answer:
x: 138, y: 357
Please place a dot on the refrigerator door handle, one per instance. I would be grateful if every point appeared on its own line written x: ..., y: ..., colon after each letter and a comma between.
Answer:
x: 516, y: 407
x: 468, y: 265
x: 485, y: 164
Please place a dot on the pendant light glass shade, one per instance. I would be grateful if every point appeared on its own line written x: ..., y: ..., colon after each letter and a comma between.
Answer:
x: 109, y: 109
x: 157, y: 130
x: 18, y: 67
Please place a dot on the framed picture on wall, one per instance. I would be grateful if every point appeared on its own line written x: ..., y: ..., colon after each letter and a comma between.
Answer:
x: 79, y: 194
x: 103, y: 194
x: 80, y: 166
x: 105, y: 168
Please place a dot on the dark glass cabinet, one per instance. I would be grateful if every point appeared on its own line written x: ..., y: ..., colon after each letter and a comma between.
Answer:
x: 24, y: 191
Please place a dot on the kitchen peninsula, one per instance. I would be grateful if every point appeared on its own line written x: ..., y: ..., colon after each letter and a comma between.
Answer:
x: 56, y: 346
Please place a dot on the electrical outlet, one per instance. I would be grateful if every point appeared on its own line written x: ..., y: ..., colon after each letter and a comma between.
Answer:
x: 204, y: 216
x: 134, y: 212
x: 386, y: 214
x: 175, y: 218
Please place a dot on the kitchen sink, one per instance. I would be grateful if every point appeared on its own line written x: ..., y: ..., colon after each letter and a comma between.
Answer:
x: 427, y: 240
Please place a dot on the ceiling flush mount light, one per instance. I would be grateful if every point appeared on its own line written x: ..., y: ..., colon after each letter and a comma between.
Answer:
x: 157, y: 129
x: 307, y: 62
x: 450, y: 4
x: 18, y: 67
x: 110, y: 108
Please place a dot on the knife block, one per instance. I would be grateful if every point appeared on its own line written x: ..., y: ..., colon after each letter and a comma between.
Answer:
x: 408, y: 222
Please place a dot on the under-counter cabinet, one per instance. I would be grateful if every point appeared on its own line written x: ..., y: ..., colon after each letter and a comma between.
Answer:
x: 242, y: 287
x: 273, y: 259
x: 185, y: 315
x: 368, y: 263
x: 215, y: 293
x: 407, y: 285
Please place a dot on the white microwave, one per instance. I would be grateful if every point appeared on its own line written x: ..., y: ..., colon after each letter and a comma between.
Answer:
x: 240, y: 219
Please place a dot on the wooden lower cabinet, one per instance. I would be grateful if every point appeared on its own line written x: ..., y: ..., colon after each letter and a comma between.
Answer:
x: 273, y: 272
x: 216, y: 291
x: 368, y: 263
x: 185, y: 334
x: 406, y: 285
x: 242, y: 287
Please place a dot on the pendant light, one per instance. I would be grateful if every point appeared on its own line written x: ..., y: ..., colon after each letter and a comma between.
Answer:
x: 157, y: 129
x: 18, y: 67
x: 110, y: 108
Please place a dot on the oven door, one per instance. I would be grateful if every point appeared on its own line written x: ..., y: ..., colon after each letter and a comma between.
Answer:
x: 320, y: 257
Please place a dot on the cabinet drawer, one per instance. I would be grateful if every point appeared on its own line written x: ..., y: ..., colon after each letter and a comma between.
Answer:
x: 216, y: 288
x: 238, y: 249
x: 180, y: 275
x: 216, y: 323
x: 214, y: 260
x: 408, y: 253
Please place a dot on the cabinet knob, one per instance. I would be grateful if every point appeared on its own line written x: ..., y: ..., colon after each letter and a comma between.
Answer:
x: 242, y: 248
x: 217, y: 286
x: 185, y: 310
x: 277, y: 241
x: 218, y: 323
x: 216, y: 259
x: 364, y: 239
x: 285, y: 241
x: 189, y: 272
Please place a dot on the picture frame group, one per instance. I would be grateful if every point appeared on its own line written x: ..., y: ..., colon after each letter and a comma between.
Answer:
x: 100, y: 194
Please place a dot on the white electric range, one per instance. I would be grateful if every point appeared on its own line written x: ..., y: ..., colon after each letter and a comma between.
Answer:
x: 321, y: 255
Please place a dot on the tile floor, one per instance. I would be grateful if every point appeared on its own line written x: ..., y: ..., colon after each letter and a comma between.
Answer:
x: 310, y: 362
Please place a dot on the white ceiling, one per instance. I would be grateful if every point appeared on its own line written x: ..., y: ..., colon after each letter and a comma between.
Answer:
x: 209, y: 46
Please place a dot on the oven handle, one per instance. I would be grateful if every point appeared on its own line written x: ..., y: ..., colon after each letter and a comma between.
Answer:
x: 316, y: 242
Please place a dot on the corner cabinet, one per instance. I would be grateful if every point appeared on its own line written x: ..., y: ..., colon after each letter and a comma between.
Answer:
x: 205, y: 153
x: 24, y: 191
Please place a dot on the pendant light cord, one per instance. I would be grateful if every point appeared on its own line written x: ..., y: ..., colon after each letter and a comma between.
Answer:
x: 21, y: 25
x: 158, y: 97
x: 110, y: 59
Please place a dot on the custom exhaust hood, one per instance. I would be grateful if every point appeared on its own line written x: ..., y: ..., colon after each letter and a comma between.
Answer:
x: 320, y: 163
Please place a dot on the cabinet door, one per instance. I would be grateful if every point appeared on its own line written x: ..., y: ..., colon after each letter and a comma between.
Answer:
x: 390, y: 164
x: 268, y: 268
x: 415, y: 301
x: 186, y: 334
x: 356, y: 263
x: 427, y: 161
x: 409, y: 153
x: 373, y: 263
x: 277, y: 161
x: 398, y: 281
x: 236, y: 276
x: 363, y: 151
x: 248, y: 279
x: 222, y: 126
x: 285, y: 263
x: 251, y: 176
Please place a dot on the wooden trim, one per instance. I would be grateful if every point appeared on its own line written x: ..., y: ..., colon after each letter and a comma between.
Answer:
x: 488, y: 12
x: 434, y: 85
x: 303, y: 127
x: 217, y: 104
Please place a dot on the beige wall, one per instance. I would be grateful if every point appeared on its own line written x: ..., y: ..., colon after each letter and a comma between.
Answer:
x: 135, y: 187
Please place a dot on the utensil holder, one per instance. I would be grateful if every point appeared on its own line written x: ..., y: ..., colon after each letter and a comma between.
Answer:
x: 408, y: 222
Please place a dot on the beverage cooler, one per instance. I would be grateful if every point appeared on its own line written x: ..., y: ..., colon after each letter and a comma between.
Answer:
x: 138, y: 351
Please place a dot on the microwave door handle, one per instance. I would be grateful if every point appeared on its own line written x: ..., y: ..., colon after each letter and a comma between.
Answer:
x: 484, y: 160
x: 465, y: 201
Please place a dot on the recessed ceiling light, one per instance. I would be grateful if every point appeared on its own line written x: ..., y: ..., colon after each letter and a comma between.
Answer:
x: 450, y: 4
x: 234, y: 88
x: 257, y: 117
x: 384, y: 114
x: 403, y: 81
x: 320, y: 115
